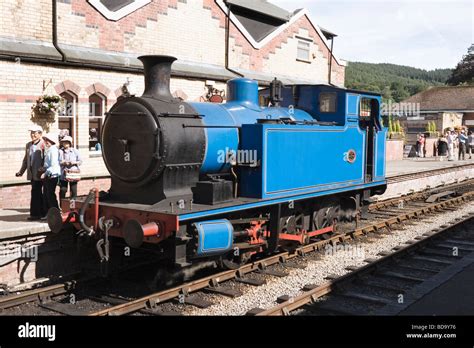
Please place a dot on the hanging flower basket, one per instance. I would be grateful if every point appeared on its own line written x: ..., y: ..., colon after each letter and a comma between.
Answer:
x: 46, y: 106
x: 44, y: 111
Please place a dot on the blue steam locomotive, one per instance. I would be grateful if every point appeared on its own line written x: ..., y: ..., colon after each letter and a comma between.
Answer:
x: 224, y: 182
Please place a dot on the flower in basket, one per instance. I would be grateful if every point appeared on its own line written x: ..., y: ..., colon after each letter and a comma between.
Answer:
x: 47, y: 104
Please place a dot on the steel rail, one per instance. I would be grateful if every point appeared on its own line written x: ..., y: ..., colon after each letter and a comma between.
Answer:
x: 46, y: 292
x: 150, y: 301
x: 213, y: 280
x: 36, y: 294
x: 326, y: 288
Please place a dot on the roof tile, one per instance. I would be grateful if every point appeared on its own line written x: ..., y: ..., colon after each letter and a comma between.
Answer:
x: 457, y: 98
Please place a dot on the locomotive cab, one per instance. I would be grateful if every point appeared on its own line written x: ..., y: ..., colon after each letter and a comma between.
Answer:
x: 340, y: 107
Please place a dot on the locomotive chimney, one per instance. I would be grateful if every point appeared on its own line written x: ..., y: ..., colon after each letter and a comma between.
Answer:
x: 157, y: 76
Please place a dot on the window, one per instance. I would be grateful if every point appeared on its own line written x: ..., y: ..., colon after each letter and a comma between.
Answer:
x: 369, y: 113
x: 303, y: 53
x: 97, y: 107
x: 327, y: 102
x: 368, y: 108
x: 67, y: 116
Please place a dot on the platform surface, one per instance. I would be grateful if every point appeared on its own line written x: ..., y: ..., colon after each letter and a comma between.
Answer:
x: 454, y: 297
x: 415, y: 165
x: 13, y: 224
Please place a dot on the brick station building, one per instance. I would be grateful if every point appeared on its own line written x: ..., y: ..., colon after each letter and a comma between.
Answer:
x: 85, y: 52
x: 448, y: 107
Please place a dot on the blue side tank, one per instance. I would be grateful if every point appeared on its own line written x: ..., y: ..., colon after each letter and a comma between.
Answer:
x: 224, y: 120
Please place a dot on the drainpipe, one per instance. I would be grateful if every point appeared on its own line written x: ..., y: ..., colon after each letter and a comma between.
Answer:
x: 55, y: 31
x: 227, y: 43
x: 330, y: 61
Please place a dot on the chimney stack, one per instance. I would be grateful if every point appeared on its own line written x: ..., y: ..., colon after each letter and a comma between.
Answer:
x: 157, y: 76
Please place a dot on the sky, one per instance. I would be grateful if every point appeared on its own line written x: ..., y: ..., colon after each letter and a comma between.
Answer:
x: 425, y: 34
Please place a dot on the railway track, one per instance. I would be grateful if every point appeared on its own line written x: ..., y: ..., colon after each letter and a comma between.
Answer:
x: 384, y: 216
x: 39, y: 294
x: 213, y: 282
x: 388, y: 285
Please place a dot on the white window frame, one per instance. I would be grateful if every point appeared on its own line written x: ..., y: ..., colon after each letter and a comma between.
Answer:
x: 116, y: 15
x: 101, y: 117
x: 73, y: 116
x: 307, y: 43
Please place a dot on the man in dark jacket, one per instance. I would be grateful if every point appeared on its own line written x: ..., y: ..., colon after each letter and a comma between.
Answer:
x: 462, y: 144
x: 32, y: 162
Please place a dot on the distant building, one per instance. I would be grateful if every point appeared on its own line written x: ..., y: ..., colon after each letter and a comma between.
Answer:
x: 448, y: 107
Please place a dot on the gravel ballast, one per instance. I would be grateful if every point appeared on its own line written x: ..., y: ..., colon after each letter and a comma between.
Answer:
x: 332, y: 262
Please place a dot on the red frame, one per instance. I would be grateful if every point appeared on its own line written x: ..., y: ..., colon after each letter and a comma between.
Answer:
x: 168, y: 224
x: 304, y: 236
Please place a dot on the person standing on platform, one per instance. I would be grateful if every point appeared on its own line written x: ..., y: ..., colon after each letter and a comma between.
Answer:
x: 462, y: 144
x: 33, y: 165
x: 470, y: 143
x: 421, y: 146
x: 418, y: 145
x: 53, y: 170
x: 442, y: 147
x: 70, y: 160
x: 451, y: 139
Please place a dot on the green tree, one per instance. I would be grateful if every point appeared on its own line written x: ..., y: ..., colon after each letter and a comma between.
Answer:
x: 394, y: 82
x: 464, y: 72
x: 387, y: 94
x: 399, y: 92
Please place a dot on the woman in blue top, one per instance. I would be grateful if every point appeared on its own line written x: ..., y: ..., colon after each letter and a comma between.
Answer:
x: 52, y: 170
x: 70, y: 160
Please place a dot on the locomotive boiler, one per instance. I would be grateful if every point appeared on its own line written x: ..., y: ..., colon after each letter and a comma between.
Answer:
x: 225, y: 182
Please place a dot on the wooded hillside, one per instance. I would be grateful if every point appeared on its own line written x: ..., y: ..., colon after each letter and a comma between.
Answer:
x: 395, y: 82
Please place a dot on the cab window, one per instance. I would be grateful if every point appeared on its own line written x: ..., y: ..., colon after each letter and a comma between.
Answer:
x: 327, y: 102
x: 368, y: 108
x: 369, y: 112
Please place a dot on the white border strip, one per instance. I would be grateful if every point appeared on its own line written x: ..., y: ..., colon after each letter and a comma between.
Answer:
x: 124, y: 11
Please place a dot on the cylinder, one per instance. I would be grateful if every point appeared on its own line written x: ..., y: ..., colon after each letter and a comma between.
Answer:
x: 214, y: 237
x: 135, y: 233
